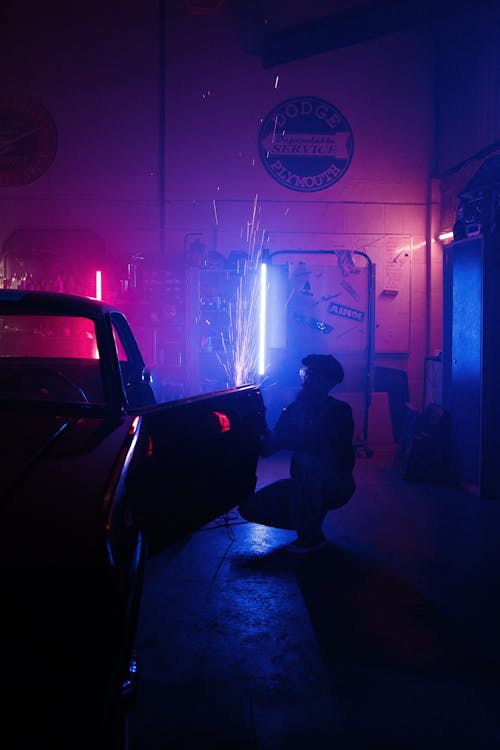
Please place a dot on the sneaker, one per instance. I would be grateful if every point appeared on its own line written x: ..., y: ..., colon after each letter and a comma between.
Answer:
x: 300, y: 546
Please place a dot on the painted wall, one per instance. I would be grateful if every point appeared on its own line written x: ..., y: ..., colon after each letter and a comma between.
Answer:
x: 96, y: 68
x: 217, y: 98
x: 468, y: 81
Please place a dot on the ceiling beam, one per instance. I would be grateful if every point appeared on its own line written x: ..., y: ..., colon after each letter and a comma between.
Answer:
x: 351, y: 26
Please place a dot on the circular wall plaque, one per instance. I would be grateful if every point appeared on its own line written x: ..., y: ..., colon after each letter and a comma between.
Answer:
x: 306, y: 144
x: 28, y: 141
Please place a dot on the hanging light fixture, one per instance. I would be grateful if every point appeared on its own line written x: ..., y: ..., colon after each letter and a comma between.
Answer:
x: 203, y: 7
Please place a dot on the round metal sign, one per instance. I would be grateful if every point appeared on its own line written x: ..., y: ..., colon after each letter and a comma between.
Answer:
x: 306, y: 144
x: 28, y: 141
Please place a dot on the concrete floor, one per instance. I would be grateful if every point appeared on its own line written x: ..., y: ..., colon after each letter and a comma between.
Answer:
x: 389, y: 638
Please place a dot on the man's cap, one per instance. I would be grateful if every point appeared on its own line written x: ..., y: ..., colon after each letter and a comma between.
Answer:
x: 326, y: 366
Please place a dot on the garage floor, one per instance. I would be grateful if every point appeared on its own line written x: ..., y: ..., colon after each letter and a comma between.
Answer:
x: 389, y: 638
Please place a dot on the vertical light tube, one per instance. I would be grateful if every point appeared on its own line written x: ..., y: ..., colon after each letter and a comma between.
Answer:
x: 98, y: 285
x: 263, y: 321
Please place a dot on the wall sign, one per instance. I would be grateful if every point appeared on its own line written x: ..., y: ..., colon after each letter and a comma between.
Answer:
x: 28, y: 141
x: 306, y: 144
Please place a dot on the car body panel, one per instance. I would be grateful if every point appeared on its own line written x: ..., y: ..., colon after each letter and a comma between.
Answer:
x: 95, y: 475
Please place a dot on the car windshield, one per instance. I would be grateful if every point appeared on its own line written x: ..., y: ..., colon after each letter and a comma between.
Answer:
x: 50, y: 358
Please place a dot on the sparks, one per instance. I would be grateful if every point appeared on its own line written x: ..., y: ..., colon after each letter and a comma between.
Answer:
x: 240, y: 356
x: 274, y: 129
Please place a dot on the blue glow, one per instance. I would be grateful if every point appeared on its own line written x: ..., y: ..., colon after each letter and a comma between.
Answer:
x: 262, y: 324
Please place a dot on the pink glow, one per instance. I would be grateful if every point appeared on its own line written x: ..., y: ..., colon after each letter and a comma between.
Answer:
x: 225, y: 424
x: 98, y: 285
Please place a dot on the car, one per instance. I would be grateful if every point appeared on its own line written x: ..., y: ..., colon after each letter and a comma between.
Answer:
x: 97, y: 476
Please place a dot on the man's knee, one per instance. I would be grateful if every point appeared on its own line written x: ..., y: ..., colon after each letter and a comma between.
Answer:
x: 271, y: 505
x: 245, y: 507
x: 344, y: 490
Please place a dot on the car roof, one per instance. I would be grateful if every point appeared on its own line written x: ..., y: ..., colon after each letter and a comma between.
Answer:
x: 53, y: 302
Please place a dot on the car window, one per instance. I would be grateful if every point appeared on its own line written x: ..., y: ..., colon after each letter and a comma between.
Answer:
x: 120, y: 348
x: 138, y: 392
x: 51, y: 358
x: 123, y: 359
x: 47, y: 336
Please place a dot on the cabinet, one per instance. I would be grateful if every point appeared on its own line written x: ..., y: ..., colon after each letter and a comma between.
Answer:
x: 471, y: 373
x: 155, y: 305
x: 221, y: 319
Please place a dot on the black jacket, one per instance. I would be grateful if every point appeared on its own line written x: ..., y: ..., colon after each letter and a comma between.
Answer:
x: 322, y: 427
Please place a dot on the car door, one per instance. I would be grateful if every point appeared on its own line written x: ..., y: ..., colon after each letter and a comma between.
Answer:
x: 197, y: 460
x: 194, y: 458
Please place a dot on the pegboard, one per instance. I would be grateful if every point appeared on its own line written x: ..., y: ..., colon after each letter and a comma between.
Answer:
x: 391, y: 257
x: 330, y: 310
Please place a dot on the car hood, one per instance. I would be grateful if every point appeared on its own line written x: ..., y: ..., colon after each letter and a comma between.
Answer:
x: 56, y: 473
